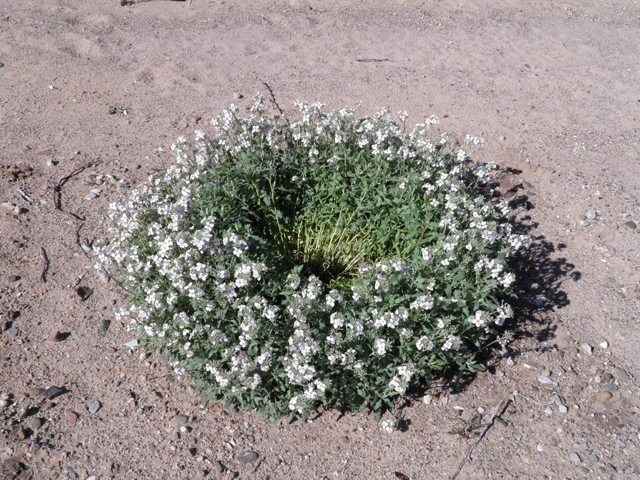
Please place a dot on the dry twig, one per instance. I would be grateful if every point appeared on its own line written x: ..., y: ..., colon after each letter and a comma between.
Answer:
x: 57, y: 190
x: 273, y: 98
x: 25, y: 196
x: 489, y: 423
x: 45, y: 266
x: 518, y: 394
x: 372, y: 60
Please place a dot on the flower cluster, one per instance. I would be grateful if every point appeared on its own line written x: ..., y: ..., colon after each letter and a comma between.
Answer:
x: 267, y: 265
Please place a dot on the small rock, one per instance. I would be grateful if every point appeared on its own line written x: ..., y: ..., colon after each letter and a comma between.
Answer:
x: 540, y: 447
x: 604, y: 344
x: 427, y: 399
x: 70, y: 472
x: 84, y: 292
x: 95, y: 406
x: 630, y: 225
x: 36, y: 423
x: 178, y: 420
x: 93, y: 477
x: 3, y: 403
x: 132, y: 344
x: 12, y: 331
x: 609, y: 387
x: 36, y: 446
x: 588, y: 349
x: 603, y: 397
x: 621, y: 374
x: 90, y: 196
x: 591, y: 214
x: 563, y: 409
x: 13, y: 278
x: 35, y: 391
x: 538, y: 303
x: 104, y: 325
x: 136, y: 166
x: 218, y: 466
x: 247, y: 457
x: 575, y: 457
x: 56, y: 337
x: 594, y: 458
x: 52, y: 392
x: 22, y: 434
x: 545, y: 380
x: 72, y: 417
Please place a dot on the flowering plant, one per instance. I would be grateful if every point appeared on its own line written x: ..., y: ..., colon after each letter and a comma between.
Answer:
x: 331, y: 259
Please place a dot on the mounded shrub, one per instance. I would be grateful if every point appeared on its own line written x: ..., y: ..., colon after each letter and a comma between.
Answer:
x: 284, y: 263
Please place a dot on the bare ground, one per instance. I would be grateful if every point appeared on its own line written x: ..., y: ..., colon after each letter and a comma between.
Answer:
x: 553, y: 88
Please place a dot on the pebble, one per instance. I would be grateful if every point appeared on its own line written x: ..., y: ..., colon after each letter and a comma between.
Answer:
x: 575, y: 457
x: 538, y: 303
x: 4, y: 403
x: 545, y: 380
x: 52, y: 392
x: 563, y: 409
x: 584, y: 223
x: 70, y: 472
x: 12, y: 331
x: 136, y: 167
x: 621, y: 374
x: 218, y: 466
x: 594, y: 458
x: 603, y: 397
x: 56, y: 337
x: 540, y: 447
x: 604, y: 344
x: 609, y: 387
x: 36, y: 423
x: 104, y: 325
x: 35, y: 391
x: 178, y: 420
x: 72, y: 417
x: 247, y: 457
x: 90, y: 196
x: 95, y: 406
x: 588, y: 349
x: 36, y: 446
x: 132, y: 344
x: 591, y: 214
x: 93, y: 477
x: 13, y: 278
x: 22, y: 434
x: 630, y: 225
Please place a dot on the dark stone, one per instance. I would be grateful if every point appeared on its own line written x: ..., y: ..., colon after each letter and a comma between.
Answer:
x: 104, y: 326
x: 13, y: 278
x: 630, y: 225
x: 53, y: 392
x: 84, y: 292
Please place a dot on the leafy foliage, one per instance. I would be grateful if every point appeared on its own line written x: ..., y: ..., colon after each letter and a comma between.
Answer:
x: 327, y: 259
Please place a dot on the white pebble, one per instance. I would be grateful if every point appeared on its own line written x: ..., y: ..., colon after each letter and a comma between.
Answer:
x: 588, y: 349
x: 604, y: 345
x: 540, y: 447
x: 481, y: 410
x: 427, y: 399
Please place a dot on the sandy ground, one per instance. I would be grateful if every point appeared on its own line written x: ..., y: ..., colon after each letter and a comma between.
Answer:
x: 551, y: 85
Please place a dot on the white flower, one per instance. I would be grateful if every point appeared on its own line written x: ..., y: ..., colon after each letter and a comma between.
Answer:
x: 424, y: 343
x: 380, y: 347
x: 388, y: 425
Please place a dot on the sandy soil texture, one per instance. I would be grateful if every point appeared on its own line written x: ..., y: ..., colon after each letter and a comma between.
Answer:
x: 90, y: 88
